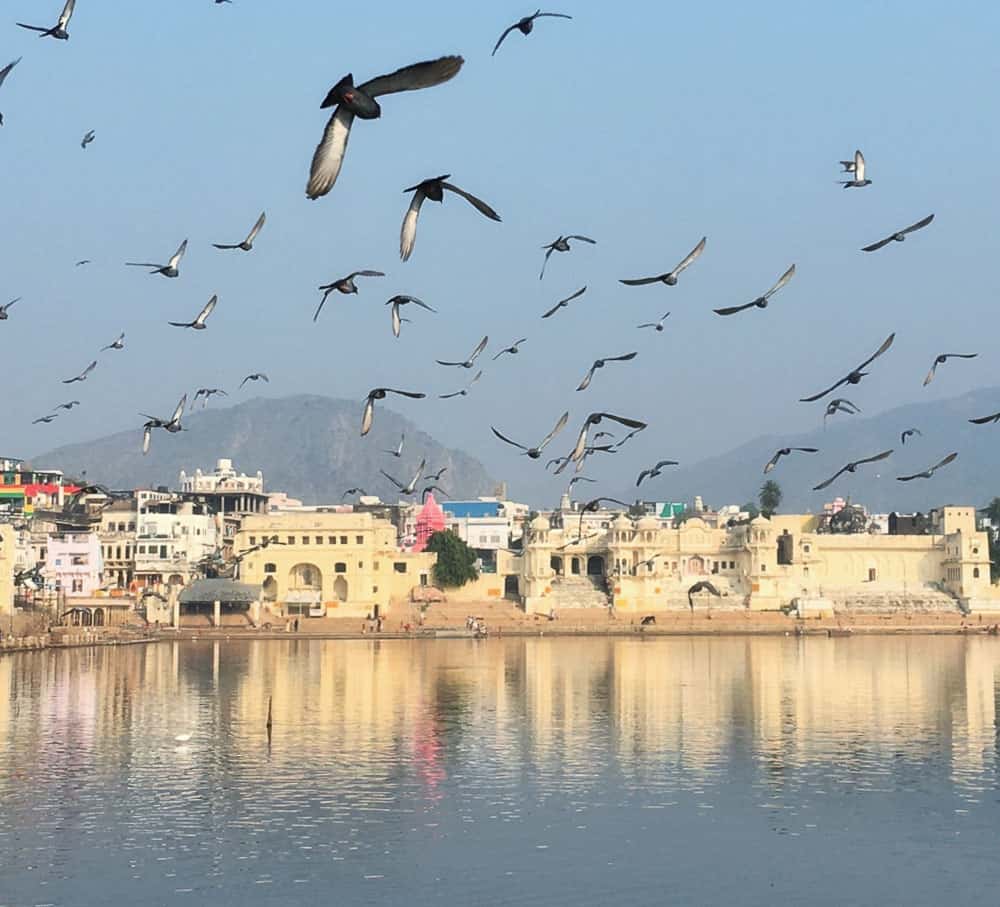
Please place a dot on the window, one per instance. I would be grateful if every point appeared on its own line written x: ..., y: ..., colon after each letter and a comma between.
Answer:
x: 340, y: 567
x: 318, y: 540
x: 163, y: 551
x: 763, y: 568
x: 290, y: 540
x: 374, y: 590
x: 399, y: 566
x: 975, y: 573
x: 79, y: 560
x: 359, y: 539
x: 343, y: 540
x: 807, y: 548
x: 975, y: 551
x: 331, y: 540
x: 361, y: 565
x: 142, y: 550
x: 253, y: 540
x: 305, y: 540
x: 375, y: 566
x: 77, y: 585
x: 270, y: 568
x: 872, y: 574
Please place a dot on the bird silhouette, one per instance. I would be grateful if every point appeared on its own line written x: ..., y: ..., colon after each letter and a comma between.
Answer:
x: 909, y: 433
x: 927, y: 473
x: 434, y: 190
x: 471, y: 361
x: 379, y: 393
x: 526, y: 25
x: 563, y: 303
x: 599, y: 364
x: 256, y: 376
x: 397, y: 302
x: 562, y: 244
x: 852, y: 467
x: 59, y: 30
x: 653, y: 471
x: 170, y: 269
x: 247, y: 244
x: 761, y: 301
x: 670, y: 278
x: 784, y: 452
x: 855, y: 375
x: 345, y: 285
x: 656, y: 325
x: 899, y: 236
x: 942, y: 359
x: 117, y: 344
x: 535, y: 452
x: 6, y: 307
x: 199, y: 322
x: 513, y: 349
x: 83, y: 375
x: 857, y: 167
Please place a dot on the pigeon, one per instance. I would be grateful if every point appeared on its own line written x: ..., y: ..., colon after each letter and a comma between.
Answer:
x: 117, y: 344
x: 851, y: 467
x: 942, y: 359
x: 761, y: 301
x: 350, y: 101
x: 576, y: 479
x: 379, y: 393
x: 206, y: 392
x: 784, y: 452
x: 170, y: 269
x: 172, y: 425
x: 648, y: 564
x: 656, y: 325
x: 468, y: 363
x: 43, y: 419
x: 909, y: 433
x: 985, y: 420
x: 3, y: 75
x: 563, y: 303
x: 436, y: 476
x: 6, y: 307
x: 561, y: 244
x: 670, y: 278
x: 398, y: 452
x: 654, y: 471
x: 433, y: 189
x: 702, y: 586
x: 396, y: 302
x: 596, y: 419
x: 857, y: 167
x: 247, y: 243
x: 59, y: 29
x: 88, y: 138
x: 854, y: 376
x: 69, y: 405
x: 199, y: 322
x: 619, y: 444
x: 256, y: 376
x: 534, y: 453
x: 350, y: 491
x: 840, y: 405
x: 410, y: 486
x: 464, y: 391
x: 81, y: 263
x: 513, y: 349
x: 525, y: 25
x: 604, y: 434
x: 898, y: 236
x: 593, y: 505
x: 927, y: 473
x: 345, y: 285
x: 600, y: 363
x: 430, y: 489
x: 83, y: 375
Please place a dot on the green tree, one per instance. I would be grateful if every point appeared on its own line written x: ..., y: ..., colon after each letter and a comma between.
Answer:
x: 770, y: 498
x: 751, y: 509
x: 456, y: 561
x: 992, y: 512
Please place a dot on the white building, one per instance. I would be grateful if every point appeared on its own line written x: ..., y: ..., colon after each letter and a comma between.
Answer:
x: 172, y: 537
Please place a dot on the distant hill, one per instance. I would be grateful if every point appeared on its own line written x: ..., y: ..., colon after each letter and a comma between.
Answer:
x: 307, y: 446
x: 736, y: 476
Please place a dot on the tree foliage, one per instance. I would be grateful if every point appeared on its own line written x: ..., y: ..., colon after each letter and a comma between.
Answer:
x: 770, y: 498
x: 992, y: 512
x: 456, y: 561
x: 751, y: 510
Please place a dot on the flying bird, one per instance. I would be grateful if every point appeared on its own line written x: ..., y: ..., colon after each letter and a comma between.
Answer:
x: 345, y: 285
x: 256, y: 376
x: 247, y: 243
x: 656, y: 325
x: 396, y: 302
x: 761, y: 301
x: 410, y: 486
x: 654, y: 471
x: 784, y: 452
x: 513, y: 349
x: 69, y: 405
x: 561, y: 244
x: 525, y: 26
x: 702, y: 586
x: 942, y: 359
x: 172, y: 425
x: 563, y: 303
x: 909, y: 433
x: 898, y: 236
x: 927, y: 473
x: 576, y: 479
x: 851, y: 468
x: 83, y: 375
x: 464, y: 391
x: 398, y: 451
x: 985, y: 420
x: 600, y: 363
x: 81, y: 263
x: 3, y: 75
x: 535, y: 452
x: 619, y: 444
x: 59, y: 30
x: 857, y: 167
x: 88, y: 137
x: 117, y: 344
x: 199, y: 322
x: 206, y: 392
x: 596, y: 419
x: 592, y: 506
x: 436, y: 476
x: 44, y: 419
x: 670, y: 278
x: 855, y: 375
x: 468, y: 363
x: 840, y: 405
x: 170, y: 269
x: 350, y: 101
x: 433, y: 189
x: 6, y: 307
x: 379, y: 393
x: 350, y: 491
x: 430, y: 489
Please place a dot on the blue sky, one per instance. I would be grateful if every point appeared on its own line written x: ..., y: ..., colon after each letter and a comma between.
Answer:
x: 642, y: 125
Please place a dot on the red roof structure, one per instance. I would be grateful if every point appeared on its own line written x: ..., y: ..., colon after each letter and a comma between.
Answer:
x: 431, y: 519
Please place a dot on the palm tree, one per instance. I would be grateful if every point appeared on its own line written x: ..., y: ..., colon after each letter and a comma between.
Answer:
x: 770, y: 498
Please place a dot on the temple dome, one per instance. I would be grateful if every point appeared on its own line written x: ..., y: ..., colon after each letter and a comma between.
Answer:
x: 540, y: 523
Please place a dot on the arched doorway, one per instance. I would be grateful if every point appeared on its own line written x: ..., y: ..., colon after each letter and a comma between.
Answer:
x: 305, y: 577
x: 574, y: 566
x: 340, y: 589
x: 511, y: 588
x: 556, y: 563
x: 98, y: 617
x: 269, y: 589
x: 86, y: 619
x: 595, y: 565
x: 695, y: 566
x: 175, y: 580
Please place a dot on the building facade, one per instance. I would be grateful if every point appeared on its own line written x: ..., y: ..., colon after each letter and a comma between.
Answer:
x: 172, y: 538
x: 73, y: 564
x: 8, y: 556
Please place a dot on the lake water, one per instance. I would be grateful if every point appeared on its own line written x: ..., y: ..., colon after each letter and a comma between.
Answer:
x: 516, y: 772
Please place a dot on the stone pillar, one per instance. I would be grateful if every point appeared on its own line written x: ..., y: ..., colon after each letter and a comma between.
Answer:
x: 173, y: 597
x: 216, y: 613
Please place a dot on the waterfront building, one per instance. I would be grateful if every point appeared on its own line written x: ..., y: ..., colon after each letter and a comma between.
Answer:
x: 22, y: 488
x: 117, y: 532
x: 73, y: 565
x: 173, y: 536
x: 8, y: 555
x: 327, y: 564
x: 229, y: 494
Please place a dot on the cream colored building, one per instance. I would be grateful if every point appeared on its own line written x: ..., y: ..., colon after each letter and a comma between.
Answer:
x: 319, y: 563
x: 8, y: 554
x: 642, y: 566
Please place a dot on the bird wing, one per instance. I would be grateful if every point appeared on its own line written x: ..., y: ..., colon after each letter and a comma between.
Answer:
x: 33, y: 27
x: 829, y: 390
x: 874, y: 459
x: 412, y: 394
x: 408, y: 232
x: 691, y: 256
x: 948, y: 459
x: 476, y: 203
x: 566, y: 301
x: 627, y: 357
x: 983, y: 420
x: 593, y: 242
x: 147, y: 434
x: 733, y: 309
x: 548, y: 255
x: 859, y: 166
x: 551, y: 16
x: 806, y: 449
x: 643, y: 281
x: 831, y: 480
x: 329, y: 154
x: 182, y: 324
x: 205, y: 312
x: 507, y: 440
x: 875, y: 246
x: 621, y: 420
x: 179, y: 409
x: 663, y: 463
x: 787, y: 276
x: 395, y: 319
x: 643, y: 475
x: 319, y: 308
x: 256, y: 227
x: 143, y: 264
x: 367, y: 417
x: 417, y: 475
x: 916, y: 475
x: 960, y: 355
x: 89, y: 369
x: 931, y: 373
x: 885, y: 346
x: 175, y: 259
x: 399, y: 485
x: 410, y: 78
x: 221, y: 245
x: 479, y: 348
x: 423, y: 305
x: 442, y: 362
x: 559, y: 426
x: 67, y: 13
x: 365, y: 274
x: 919, y: 225
x: 6, y: 70
x: 773, y: 462
x: 449, y: 396
x: 585, y: 383
x: 506, y: 32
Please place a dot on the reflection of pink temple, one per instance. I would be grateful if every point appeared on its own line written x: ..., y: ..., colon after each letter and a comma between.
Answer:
x: 431, y: 519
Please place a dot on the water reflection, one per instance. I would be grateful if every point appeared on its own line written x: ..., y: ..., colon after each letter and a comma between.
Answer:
x: 154, y: 760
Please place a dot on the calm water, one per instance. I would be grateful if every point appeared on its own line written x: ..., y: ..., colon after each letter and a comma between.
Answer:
x: 522, y: 772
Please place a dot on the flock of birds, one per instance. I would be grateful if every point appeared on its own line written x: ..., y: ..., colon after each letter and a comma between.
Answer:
x: 350, y: 101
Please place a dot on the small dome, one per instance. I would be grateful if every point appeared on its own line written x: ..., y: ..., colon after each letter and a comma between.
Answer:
x: 760, y: 521
x: 647, y: 523
x: 540, y: 523
x: 622, y: 522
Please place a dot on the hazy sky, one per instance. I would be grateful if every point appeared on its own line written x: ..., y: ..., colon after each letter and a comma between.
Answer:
x: 642, y: 125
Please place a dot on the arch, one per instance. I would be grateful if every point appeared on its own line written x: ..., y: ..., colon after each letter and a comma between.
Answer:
x: 574, y: 566
x: 556, y: 564
x: 98, y: 617
x: 86, y: 619
x: 595, y: 565
x: 511, y: 588
x: 340, y: 589
x: 305, y: 576
x: 269, y: 589
x: 695, y: 566
x: 175, y: 580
